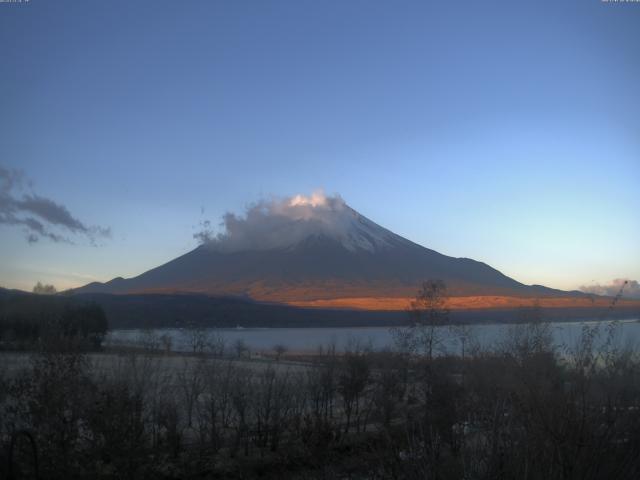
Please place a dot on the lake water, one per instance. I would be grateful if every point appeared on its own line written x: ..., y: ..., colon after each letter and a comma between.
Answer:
x: 627, y: 334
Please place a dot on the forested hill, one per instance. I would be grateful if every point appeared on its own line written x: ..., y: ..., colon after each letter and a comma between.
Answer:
x: 184, y: 310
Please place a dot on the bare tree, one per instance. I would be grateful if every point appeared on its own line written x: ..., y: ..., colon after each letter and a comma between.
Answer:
x: 166, y: 342
x: 531, y: 335
x: 148, y: 340
x: 196, y: 339
x: 241, y: 348
x: 463, y: 334
x: 242, y: 404
x: 353, y: 378
x: 217, y: 410
x: 191, y: 381
x: 279, y: 350
x: 216, y: 343
x: 427, y: 312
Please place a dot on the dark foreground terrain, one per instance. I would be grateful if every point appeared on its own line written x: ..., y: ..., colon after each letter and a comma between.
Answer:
x: 523, y: 409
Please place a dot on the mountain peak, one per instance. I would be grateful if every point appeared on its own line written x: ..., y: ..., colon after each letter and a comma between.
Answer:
x: 282, y: 223
x: 308, y: 248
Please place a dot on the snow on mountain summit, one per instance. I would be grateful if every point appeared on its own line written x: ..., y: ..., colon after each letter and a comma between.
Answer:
x: 286, y: 222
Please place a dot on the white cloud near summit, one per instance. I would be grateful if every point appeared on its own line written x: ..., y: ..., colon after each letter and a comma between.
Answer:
x: 282, y: 222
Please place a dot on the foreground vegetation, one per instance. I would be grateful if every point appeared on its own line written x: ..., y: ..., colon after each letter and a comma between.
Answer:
x: 27, y: 321
x: 525, y: 409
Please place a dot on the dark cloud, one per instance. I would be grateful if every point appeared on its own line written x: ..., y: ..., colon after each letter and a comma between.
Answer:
x: 10, y: 179
x: 38, y: 215
x: 630, y: 289
x: 52, y: 212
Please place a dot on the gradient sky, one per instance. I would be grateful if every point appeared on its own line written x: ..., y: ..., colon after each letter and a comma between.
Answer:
x: 508, y: 132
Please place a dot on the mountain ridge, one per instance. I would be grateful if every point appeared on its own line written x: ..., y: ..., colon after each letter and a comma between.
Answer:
x: 317, y: 248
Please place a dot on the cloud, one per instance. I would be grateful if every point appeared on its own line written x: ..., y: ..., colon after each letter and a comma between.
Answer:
x: 280, y: 223
x: 40, y: 217
x: 9, y: 179
x: 206, y: 233
x: 630, y: 288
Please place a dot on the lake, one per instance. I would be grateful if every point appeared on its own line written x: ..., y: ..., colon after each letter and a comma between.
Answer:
x: 627, y: 334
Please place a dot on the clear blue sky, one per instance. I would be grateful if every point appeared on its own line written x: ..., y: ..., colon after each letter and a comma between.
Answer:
x: 508, y: 132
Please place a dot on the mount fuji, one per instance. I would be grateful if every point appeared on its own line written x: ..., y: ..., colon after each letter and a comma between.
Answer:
x: 316, y: 251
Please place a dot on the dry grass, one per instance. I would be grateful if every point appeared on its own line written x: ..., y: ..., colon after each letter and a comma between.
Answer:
x: 461, y: 303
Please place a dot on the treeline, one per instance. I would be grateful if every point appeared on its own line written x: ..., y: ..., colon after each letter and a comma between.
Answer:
x: 26, y: 320
x: 177, y: 311
x: 525, y: 409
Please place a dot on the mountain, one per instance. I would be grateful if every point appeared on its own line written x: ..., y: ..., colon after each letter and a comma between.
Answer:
x: 302, y: 250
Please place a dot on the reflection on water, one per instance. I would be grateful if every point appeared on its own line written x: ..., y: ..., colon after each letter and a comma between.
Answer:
x: 627, y: 334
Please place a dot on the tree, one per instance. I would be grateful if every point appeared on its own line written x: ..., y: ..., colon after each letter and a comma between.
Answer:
x: 44, y: 289
x: 279, y: 350
x: 353, y: 377
x: 428, y: 312
x: 463, y: 333
x: 216, y: 343
x: 167, y: 342
x: 195, y: 338
x: 241, y: 348
x: 531, y: 335
x: 87, y: 322
x: 191, y: 381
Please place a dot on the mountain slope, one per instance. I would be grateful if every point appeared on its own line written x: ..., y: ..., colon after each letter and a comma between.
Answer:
x: 314, y: 248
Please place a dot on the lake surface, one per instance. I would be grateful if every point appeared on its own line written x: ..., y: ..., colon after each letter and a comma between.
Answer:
x: 626, y: 334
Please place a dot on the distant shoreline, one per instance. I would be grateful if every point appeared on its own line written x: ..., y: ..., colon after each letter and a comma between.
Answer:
x: 315, y: 327
x: 397, y: 319
x: 181, y: 310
